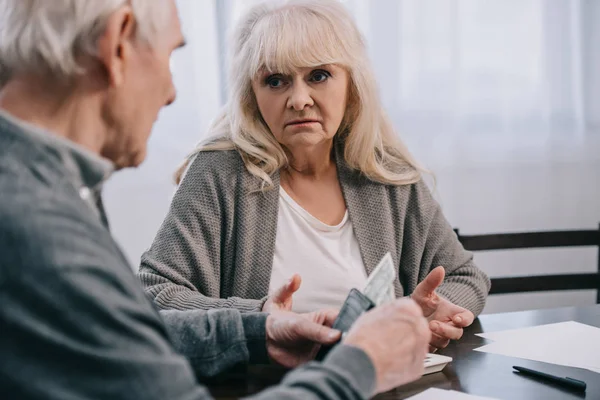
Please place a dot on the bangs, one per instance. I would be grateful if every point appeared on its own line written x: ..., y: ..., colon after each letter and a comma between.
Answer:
x: 295, y: 38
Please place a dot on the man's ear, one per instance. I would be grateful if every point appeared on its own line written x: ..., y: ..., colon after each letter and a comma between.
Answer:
x: 115, y: 45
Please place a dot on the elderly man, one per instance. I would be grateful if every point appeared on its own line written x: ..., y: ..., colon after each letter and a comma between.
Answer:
x: 81, y: 84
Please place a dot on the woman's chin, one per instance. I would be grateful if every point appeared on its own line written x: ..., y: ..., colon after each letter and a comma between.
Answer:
x: 308, y: 139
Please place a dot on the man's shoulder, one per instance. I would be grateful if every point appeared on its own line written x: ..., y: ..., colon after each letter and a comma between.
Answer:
x: 24, y: 169
x: 26, y: 235
x: 44, y: 228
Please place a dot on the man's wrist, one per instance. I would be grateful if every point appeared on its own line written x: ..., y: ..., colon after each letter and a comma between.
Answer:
x: 255, y: 331
x: 354, y: 363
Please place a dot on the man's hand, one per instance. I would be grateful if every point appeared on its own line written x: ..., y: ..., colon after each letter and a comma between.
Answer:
x: 281, y: 299
x: 446, y: 320
x: 293, y: 339
x: 395, y: 336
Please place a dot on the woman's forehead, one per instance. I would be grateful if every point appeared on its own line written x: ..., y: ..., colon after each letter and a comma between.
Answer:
x: 297, y: 70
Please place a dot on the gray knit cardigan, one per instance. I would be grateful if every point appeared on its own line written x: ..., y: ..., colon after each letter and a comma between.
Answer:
x: 215, y: 247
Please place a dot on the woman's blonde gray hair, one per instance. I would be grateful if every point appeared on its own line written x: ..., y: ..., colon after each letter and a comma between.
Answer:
x: 46, y: 37
x: 280, y: 36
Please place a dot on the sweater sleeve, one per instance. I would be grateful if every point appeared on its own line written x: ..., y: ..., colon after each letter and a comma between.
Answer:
x: 182, y: 268
x: 465, y: 284
x: 346, y: 373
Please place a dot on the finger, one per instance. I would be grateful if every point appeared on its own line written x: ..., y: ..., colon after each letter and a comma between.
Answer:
x: 428, y: 285
x: 437, y: 342
x: 463, y: 319
x: 445, y: 330
x: 286, y: 291
x: 295, y: 282
x: 329, y: 316
x: 316, y: 333
x: 324, y: 317
x: 425, y: 295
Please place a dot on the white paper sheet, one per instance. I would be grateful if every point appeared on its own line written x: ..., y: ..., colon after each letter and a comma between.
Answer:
x: 566, y: 343
x: 440, y: 394
x: 567, y: 328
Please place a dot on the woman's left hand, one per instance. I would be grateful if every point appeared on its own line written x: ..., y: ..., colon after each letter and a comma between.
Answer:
x: 446, y: 319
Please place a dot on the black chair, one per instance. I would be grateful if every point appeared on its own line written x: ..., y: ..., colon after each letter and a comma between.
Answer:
x: 526, y: 240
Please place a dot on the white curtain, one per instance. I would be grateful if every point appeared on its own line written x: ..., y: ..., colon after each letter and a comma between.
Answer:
x: 482, y: 66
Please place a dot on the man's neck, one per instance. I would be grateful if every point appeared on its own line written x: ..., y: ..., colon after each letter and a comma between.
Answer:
x: 73, y: 117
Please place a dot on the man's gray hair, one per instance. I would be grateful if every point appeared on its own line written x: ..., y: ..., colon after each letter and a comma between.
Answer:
x: 48, y: 36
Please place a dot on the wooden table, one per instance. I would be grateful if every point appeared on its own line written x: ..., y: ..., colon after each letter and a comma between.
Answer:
x: 471, y: 371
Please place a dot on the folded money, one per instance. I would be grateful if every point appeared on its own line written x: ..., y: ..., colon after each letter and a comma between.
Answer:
x: 379, y: 289
x: 380, y: 284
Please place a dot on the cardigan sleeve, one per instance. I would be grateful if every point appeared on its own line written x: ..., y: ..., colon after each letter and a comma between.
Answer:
x: 182, y: 268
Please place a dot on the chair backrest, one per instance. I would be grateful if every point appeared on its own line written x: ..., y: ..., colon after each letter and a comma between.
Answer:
x: 525, y: 240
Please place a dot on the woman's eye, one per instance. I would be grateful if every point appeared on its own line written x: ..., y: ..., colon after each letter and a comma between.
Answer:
x: 320, y: 76
x: 274, y: 81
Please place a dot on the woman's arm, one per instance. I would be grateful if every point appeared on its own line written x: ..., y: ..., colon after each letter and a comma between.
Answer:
x: 182, y: 268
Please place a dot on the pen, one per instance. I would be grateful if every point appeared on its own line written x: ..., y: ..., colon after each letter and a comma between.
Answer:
x: 571, y: 383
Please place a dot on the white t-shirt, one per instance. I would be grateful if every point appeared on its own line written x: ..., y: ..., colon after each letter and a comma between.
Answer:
x: 326, y: 257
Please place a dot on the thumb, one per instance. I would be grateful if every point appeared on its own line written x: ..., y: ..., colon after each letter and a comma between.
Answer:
x: 463, y: 319
x: 314, y: 332
x: 427, y: 287
x: 285, y: 292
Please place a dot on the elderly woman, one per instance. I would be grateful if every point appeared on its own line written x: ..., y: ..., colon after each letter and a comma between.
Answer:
x: 304, y: 175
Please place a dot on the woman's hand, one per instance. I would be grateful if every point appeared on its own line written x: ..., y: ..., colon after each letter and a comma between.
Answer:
x: 446, y: 319
x: 281, y: 299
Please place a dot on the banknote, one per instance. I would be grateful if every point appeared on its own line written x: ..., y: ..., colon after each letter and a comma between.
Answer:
x: 380, y: 283
x: 380, y: 289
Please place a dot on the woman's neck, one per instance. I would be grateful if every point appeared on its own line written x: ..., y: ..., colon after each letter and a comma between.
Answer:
x: 313, y: 162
